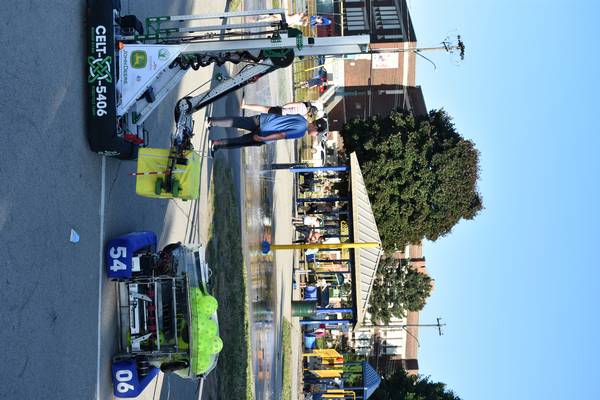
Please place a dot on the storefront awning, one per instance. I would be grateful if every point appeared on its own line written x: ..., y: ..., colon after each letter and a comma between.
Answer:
x: 364, y: 230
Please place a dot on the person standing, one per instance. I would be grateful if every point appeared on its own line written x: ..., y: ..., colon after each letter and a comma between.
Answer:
x: 319, y: 80
x: 264, y: 128
x: 307, y: 221
x: 298, y: 19
x: 304, y: 108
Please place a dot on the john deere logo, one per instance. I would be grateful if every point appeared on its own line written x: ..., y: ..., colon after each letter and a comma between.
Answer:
x: 163, y: 54
x: 99, y: 69
x: 138, y: 59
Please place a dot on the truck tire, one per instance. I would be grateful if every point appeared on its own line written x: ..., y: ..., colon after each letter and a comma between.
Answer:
x: 131, y: 23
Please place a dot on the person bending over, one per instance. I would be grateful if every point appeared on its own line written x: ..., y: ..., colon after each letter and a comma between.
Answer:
x: 264, y: 128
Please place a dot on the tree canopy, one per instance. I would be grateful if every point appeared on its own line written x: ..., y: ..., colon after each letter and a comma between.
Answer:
x: 420, y: 173
x: 400, y: 386
x: 397, y: 289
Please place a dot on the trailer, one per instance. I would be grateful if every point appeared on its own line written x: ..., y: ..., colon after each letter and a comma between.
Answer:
x: 167, y: 318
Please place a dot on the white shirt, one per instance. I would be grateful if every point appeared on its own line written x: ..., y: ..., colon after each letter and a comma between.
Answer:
x: 294, y: 108
x: 313, y: 221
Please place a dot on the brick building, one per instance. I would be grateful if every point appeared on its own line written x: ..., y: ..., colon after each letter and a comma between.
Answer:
x: 377, y: 83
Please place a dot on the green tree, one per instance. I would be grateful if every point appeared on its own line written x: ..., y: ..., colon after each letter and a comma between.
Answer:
x: 397, y: 289
x: 400, y: 386
x: 420, y: 173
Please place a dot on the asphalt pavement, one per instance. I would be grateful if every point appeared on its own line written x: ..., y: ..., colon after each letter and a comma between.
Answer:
x: 49, y: 286
x: 57, y: 323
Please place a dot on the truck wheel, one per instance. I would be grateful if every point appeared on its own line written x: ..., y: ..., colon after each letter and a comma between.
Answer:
x: 173, y: 366
x: 131, y: 23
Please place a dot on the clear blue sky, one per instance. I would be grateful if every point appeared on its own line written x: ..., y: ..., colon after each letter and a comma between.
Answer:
x: 519, y: 286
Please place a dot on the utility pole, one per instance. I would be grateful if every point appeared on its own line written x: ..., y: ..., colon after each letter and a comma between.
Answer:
x: 438, y: 324
x: 446, y: 45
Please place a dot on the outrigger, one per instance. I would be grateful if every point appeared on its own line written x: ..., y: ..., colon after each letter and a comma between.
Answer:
x: 170, y: 168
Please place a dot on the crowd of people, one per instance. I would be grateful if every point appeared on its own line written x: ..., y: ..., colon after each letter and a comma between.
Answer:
x: 298, y: 19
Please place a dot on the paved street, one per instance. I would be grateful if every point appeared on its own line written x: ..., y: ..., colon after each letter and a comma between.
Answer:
x: 56, y: 343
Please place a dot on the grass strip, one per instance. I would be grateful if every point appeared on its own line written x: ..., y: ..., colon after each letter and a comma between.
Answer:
x: 224, y: 254
x: 286, y: 348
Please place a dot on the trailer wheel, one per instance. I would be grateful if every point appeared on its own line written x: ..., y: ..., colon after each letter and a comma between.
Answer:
x: 182, y: 161
x: 173, y: 366
x: 168, y: 249
x: 158, y: 185
x: 175, y: 188
x: 143, y: 366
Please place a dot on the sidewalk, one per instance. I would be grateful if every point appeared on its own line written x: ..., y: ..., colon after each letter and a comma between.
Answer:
x: 283, y: 205
x: 284, y: 260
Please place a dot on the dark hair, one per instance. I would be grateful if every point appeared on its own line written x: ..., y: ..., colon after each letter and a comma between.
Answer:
x: 276, y: 110
x: 321, y: 125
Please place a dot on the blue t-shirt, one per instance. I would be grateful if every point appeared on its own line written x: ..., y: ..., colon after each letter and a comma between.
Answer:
x: 294, y: 126
x: 313, y: 21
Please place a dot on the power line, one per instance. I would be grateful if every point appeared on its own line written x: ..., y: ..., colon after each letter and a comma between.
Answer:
x: 438, y: 325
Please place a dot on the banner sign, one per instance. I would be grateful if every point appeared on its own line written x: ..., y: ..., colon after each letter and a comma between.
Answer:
x: 140, y: 65
x: 385, y: 60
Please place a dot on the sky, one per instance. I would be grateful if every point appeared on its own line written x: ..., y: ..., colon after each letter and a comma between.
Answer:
x: 519, y: 285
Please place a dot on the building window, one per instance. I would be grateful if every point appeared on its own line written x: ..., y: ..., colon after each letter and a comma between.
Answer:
x: 389, y: 37
x: 387, y: 18
x: 391, y: 91
x: 355, y: 19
